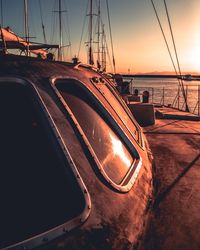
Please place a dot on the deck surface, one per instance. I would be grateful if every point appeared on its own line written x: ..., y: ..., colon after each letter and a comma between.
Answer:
x: 174, y: 221
x: 170, y: 113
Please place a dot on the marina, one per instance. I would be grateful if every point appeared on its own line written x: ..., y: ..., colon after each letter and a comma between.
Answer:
x: 94, y: 158
x: 164, y: 91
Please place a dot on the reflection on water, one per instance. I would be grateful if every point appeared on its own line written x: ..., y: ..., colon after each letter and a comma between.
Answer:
x: 164, y: 91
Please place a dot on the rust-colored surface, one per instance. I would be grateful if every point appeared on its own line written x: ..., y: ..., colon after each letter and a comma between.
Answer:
x: 116, y: 219
x: 175, y: 217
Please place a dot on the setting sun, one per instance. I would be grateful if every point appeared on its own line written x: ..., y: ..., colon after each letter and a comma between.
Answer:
x: 193, y: 58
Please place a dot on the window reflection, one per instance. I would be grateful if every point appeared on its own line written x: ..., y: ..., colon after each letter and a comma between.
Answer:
x: 119, y: 150
x: 110, y: 150
x: 119, y: 109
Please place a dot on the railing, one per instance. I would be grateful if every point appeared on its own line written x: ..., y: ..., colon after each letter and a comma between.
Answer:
x: 172, y: 97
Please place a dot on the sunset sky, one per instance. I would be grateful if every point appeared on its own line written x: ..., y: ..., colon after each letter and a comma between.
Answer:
x: 138, y: 42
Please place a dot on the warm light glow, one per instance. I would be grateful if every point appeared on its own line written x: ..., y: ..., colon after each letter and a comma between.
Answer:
x: 194, y: 58
x: 119, y: 150
x: 138, y: 43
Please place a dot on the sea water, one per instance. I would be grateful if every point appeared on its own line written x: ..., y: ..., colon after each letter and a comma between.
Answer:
x: 167, y: 91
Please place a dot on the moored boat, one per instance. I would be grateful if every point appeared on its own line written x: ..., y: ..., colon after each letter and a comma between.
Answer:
x: 75, y: 167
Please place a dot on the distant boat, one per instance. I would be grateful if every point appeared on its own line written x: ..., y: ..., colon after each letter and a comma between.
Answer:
x: 187, y: 77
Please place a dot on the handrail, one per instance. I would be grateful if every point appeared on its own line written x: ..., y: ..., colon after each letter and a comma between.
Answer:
x: 163, y: 96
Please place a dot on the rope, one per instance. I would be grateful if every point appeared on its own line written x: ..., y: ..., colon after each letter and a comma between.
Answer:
x: 160, y: 25
x: 108, y: 53
x: 68, y: 29
x: 177, y: 59
x: 53, y: 26
x: 85, y: 16
x: 167, y: 45
x: 43, y: 29
x: 111, y: 36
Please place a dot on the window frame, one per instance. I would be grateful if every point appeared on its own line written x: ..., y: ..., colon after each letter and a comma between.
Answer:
x: 131, y: 175
x: 96, y: 84
x: 107, y: 82
x: 62, y: 229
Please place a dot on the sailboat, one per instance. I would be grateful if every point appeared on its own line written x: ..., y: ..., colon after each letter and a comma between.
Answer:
x: 9, y: 40
x: 75, y: 165
x: 98, y: 53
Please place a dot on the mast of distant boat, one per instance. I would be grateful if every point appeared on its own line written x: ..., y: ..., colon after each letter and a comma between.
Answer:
x: 60, y: 55
x: 3, y: 49
x: 26, y: 28
x: 98, y: 37
x: 90, y: 49
x: 1, y: 13
x: 43, y: 28
x: 101, y: 44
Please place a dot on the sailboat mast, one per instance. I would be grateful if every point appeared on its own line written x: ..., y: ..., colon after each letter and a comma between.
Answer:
x: 26, y: 24
x: 1, y: 13
x: 98, y: 36
x: 60, y: 57
x: 43, y: 28
x: 90, y: 55
x: 103, y: 52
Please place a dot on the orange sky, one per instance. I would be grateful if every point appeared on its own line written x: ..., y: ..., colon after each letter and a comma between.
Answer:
x: 138, y: 42
x: 144, y: 50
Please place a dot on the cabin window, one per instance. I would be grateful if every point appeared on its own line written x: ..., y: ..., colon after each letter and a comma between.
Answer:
x: 114, y: 156
x: 130, y: 123
x: 38, y: 189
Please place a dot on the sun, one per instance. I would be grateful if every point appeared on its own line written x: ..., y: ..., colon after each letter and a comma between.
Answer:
x: 193, y: 59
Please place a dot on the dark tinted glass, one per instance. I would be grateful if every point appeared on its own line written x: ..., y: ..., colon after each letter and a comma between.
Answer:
x: 37, y: 189
x: 119, y: 109
x: 108, y: 147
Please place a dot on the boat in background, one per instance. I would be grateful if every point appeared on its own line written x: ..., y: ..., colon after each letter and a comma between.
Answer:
x: 187, y: 77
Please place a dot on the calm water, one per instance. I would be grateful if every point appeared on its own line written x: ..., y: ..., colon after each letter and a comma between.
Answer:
x: 165, y: 91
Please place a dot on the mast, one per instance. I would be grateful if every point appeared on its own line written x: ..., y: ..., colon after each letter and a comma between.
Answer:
x: 98, y: 37
x: 43, y: 28
x: 113, y: 57
x: 103, y: 51
x: 1, y: 13
x: 26, y: 24
x: 60, y: 56
x: 90, y: 52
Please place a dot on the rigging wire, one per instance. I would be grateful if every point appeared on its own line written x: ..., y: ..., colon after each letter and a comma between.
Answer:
x: 108, y: 53
x: 82, y: 32
x: 67, y: 30
x: 31, y: 24
x: 41, y: 16
x: 104, y: 50
x: 167, y: 45
x: 161, y: 28
x: 54, y: 23
x: 108, y: 12
x: 177, y: 59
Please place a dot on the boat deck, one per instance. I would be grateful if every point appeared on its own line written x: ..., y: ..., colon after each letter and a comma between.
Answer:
x: 174, y: 221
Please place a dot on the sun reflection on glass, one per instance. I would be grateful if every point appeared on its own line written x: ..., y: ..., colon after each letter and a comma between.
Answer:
x: 119, y: 150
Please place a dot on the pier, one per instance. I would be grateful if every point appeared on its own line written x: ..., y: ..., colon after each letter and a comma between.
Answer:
x: 174, y: 217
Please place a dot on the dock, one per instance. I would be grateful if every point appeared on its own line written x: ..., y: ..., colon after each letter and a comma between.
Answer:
x: 174, y: 220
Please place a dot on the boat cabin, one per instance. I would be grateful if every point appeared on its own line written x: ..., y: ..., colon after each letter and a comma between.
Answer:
x: 75, y: 169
